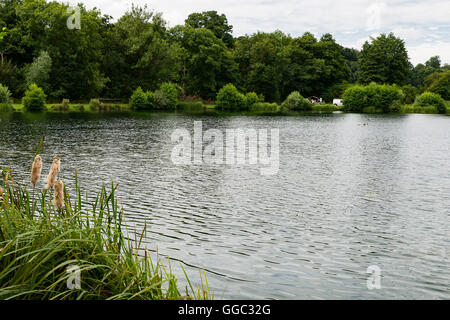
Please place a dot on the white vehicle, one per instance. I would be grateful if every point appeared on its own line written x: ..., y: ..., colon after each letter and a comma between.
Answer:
x: 337, y: 102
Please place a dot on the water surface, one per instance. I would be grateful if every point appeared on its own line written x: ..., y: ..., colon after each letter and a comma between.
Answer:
x: 352, y: 191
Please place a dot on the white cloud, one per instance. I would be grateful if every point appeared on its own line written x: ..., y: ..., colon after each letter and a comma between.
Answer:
x: 348, y: 20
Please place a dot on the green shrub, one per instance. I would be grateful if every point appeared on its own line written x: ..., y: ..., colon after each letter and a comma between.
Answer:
x: 171, y: 93
x: 150, y: 100
x: 230, y: 99
x: 95, y: 104
x: 354, y: 99
x: 427, y: 99
x: 251, y: 98
x: 383, y: 98
x: 138, y: 99
x: 296, y: 102
x: 34, y: 98
x: 409, y: 94
x: 5, y: 94
x: 441, y: 85
x: 386, y: 97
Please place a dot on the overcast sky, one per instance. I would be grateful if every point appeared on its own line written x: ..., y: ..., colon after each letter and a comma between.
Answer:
x: 424, y: 25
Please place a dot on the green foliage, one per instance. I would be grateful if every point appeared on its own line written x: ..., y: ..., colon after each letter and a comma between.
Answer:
x: 427, y: 99
x: 143, y: 53
x: 138, y: 99
x: 34, y: 98
x: 230, y: 99
x: 5, y: 94
x: 276, y: 64
x: 39, y: 71
x: 325, y: 108
x: 410, y: 92
x: 265, y: 107
x: 296, y: 102
x: 150, y: 100
x: 95, y: 104
x: 170, y: 93
x: 252, y: 98
x: 39, y: 243
x: 211, y: 20
x: 385, y: 98
x: 439, y: 83
x: 336, y: 91
x: 209, y: 64
x: 384, y: 60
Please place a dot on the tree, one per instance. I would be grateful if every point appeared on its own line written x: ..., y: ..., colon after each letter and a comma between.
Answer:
x: 434, y: 62
x: 39, y: 71
x: 209, y: 64
x: 439, y: 82
x: 264, y: 64
x: 211, y: 20
x: 383, y: 60
x: 422, y: 72
x: 143, y: 54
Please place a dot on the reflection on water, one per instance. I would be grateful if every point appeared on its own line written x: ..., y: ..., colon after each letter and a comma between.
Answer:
x: 352, y: 191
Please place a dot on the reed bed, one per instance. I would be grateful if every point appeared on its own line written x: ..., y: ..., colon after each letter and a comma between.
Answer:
x: 41, y: 239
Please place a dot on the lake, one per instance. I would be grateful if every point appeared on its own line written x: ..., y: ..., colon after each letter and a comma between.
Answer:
x: 352, y: 191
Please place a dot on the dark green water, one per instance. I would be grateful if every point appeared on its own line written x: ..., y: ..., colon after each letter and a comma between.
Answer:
x: 352, y: 191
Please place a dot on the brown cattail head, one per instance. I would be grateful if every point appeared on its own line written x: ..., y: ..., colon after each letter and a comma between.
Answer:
x: 59, y: 194
x: 54, y: 170
x: 1, y: 190
x: 36, y: 170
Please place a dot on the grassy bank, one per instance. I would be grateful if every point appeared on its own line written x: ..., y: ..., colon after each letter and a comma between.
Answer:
x: 38, y: 243
x: 200, y: 108
x: 77, y: 107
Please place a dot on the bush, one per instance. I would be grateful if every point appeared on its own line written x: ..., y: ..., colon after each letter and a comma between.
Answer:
x: 296, y: 102
x: 385, y: 97
x: 95, y: 104
x: 410, y: 92
x: 354, y: 99
x: 5, y: 94
x: 251, y: 98
x: 170, y: 94
x: 34, y: 98
x: 427, y: 99
x: 230, y: 99
x: 377, y: 97
x: 138, y: 99
x: 441, y: 85
x: 150, y: 100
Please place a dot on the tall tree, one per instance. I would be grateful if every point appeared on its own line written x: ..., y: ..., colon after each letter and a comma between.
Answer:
x: 217, y: 23
x: 384, y: 60
x: 141, y: 55
x: 209, y: 65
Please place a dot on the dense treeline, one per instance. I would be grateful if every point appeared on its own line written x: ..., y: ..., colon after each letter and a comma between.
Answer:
x: 111, y: 59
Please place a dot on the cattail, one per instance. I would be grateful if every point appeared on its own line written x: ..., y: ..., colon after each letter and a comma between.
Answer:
x: 1, y: 190
x: 36, y: 170
x: 59, y: 194
x: 54, y: 170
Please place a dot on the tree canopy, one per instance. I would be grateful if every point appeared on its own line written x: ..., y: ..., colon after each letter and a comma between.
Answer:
x: 111, y: 58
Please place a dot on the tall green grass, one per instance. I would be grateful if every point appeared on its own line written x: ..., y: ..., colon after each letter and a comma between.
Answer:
x: 38, y: 244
